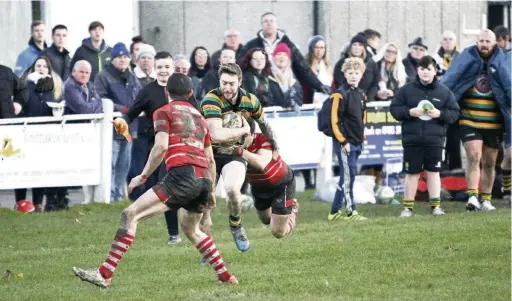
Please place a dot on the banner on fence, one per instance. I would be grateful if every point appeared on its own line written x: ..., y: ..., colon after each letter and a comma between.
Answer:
x: 50, y: 155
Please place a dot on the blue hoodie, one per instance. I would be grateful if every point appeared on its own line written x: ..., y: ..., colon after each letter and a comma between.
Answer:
x: 468, y: 65
x: 27, y: 57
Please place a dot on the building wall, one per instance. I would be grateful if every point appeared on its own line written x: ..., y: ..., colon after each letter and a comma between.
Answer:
x: 185, y: 24
x: 15, y: 19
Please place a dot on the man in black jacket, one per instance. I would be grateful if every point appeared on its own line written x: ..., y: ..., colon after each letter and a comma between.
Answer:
x: 269, y: 37
x: 425, y: 107
x: 58, y: 55
x: 13, y: 93
x: 417, y: 50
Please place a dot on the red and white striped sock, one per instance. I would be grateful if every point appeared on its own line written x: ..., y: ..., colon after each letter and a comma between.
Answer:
x: 119, y: 247
x: 210, y: 253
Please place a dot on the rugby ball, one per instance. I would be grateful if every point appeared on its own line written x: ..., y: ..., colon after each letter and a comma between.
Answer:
x: 247, y: 202
x: 386, y: 195
x: 232, y: 121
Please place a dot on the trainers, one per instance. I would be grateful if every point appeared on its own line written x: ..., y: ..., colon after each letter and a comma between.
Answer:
x: 231, y: 281
x: 174, y: 239
x: 406, y: 213
x: 336, y: 216
x: 473, y: 204
x: 487, y: 206
x: 240, y: 238
x: 355, y: 216
x: 92, y: 276
x: 437, y: 211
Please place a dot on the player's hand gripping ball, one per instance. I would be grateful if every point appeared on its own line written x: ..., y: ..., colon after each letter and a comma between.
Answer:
x: 232, y: 121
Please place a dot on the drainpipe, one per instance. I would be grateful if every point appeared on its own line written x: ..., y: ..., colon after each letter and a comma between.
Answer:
x: 316, y: 21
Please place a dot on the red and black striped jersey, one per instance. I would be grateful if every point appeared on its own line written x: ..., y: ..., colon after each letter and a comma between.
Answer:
x: 275, y: 173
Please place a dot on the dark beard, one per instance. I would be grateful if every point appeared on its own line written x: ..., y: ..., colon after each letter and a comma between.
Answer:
x: 485, y: 55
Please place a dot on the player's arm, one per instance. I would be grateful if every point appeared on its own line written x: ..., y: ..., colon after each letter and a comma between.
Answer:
x: 220, y: 134
x: 258, y: 161
x: 157, y: 153
x: 212, y: 168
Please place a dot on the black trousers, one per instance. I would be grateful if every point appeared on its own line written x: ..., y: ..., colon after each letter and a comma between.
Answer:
x: 37, y: 195
x: 453, y: 160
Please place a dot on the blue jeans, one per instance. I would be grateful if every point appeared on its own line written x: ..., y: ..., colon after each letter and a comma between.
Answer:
x: 121, y: 156
x: 348, y: 170
x: 140, y: 153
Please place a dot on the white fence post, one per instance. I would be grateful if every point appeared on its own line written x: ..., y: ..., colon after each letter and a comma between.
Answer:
x: 107, y: 136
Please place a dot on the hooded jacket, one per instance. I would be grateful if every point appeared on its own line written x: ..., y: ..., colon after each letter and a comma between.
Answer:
x: 27, y: 57
x: 12, y: 89
x: 96, y: 57
x: 417, y: 132
x: 464, y: 71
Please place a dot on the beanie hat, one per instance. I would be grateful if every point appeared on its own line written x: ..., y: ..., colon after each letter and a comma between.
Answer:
x: 118, y: 50
x: 282, y: 47
x: 418, y: 42
x: 146, y: 49
x: 312, y: 42
x: 359, y: 38
x: 179, y: 84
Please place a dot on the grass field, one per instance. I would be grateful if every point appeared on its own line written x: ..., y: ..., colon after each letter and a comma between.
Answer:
x: 462, y: 256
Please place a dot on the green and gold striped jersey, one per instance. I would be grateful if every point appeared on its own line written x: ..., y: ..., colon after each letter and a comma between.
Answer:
x: 215, y: 106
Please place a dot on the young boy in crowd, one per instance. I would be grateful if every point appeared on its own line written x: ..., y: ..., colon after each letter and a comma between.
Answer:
x: 425, y: 107
x: 344, y: 113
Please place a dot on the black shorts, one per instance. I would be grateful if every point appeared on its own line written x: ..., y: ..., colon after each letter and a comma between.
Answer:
x: 221, y: 161
x: 490, y: 138
x: 280, y: 198
x: 185, y: 187
x: 418, y: 159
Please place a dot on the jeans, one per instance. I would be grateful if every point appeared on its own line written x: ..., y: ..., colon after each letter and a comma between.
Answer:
x: 121, y: 156
x: 140, y: 153
x: 348, y: 170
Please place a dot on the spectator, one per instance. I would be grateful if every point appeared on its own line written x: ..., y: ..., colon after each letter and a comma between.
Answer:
x: 58, y: 55
x: 13, y: 95
x: 44, y: 85
x: 199, y: 64
x: 151, y: 98
x: 79, y: 93
x: 373, y: 40
x: 269, y: 37
x: 231, y: 40
x: 145, y: 73
x: 417, y: 50
x: 447, y: 52
x: 137, y: 41
x: 319, y: 63
x: 117, y: 83
x: 291, y: 91
x: 211, y: 79
x: 370, y: 81
x: 94, y: 49
x: 182, y: 65
x: 36, y: 44
x: 480, y: 80
x: 257, y: 78
x: 503, y: 37
x: 392, y: 74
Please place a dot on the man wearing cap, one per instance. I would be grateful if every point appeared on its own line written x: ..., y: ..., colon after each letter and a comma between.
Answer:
x: 370, y: 81
x: 417, y: 50
x: 121, y: 86
x: 94, y: 49
x: 269, y: 37
x: 145, y: 73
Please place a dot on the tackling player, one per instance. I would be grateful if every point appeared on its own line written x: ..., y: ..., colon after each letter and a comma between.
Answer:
x: 183, y: 139
x: 272, y: 183
x: 218, y: 104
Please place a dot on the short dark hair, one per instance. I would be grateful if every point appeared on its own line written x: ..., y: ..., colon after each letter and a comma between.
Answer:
x: 266, y: 14
x: 35, y: 24
x: 231, y: 69
x: 426, y: 61
x: 163, y: 55
x: 57, y: 27
x: 179, y: 86
x: 135, y: 40
x: 502, y: 33
x: 96, y: 24
x: 370, y: 33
